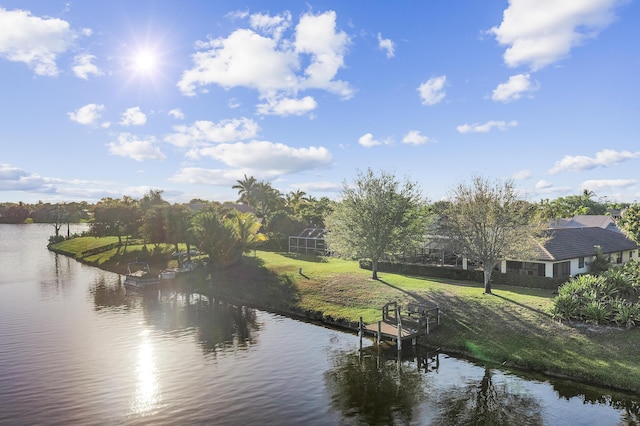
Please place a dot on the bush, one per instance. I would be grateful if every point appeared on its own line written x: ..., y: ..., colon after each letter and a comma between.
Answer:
x: 626, y: 313
x: 565, y: 307
x: 596, y: 312
x: 600, y: 299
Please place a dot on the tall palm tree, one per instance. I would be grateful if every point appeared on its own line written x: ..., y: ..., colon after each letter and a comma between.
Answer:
x: 246, y: 190
x: 296, y: 200
x: 267, y: 198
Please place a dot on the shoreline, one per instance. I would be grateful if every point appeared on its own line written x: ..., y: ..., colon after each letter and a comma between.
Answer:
x: 254, y: 279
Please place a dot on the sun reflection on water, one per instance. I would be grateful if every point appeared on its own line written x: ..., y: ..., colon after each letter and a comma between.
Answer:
x: 146, y: 397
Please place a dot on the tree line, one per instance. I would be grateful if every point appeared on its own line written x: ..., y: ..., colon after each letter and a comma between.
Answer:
x: 377, y: 216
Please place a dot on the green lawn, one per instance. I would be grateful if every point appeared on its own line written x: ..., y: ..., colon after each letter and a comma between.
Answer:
x: 512, y: 327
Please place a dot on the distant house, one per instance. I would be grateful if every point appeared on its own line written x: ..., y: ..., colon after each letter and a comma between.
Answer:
x: 572, y: 246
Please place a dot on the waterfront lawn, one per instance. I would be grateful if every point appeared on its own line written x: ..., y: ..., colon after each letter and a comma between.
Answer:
x: 116, y: 259
x: 511, y: 327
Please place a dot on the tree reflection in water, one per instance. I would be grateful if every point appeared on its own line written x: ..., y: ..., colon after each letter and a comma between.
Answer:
x: 217, y: 323
x: 372, y: 389
x: 629, y: 407
x: 487, y: 403
x: 109, y: 295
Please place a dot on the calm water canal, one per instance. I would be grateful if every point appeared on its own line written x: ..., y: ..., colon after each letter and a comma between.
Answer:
x: 77, y: 348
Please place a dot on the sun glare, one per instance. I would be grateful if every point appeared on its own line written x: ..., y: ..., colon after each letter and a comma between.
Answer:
x: 145, y: 61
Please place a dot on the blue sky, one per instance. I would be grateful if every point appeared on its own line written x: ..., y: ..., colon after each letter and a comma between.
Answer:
x: 104, y: 99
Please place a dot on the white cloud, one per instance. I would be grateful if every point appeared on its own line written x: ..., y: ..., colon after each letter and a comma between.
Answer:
x: 604, y: 158
x: 133, y: 117
x: 177, y: 114
x: 272, y: 65
x: 33, y: 40
x: 199, y: 175
x: 514, y: 88
x: 287, y: 106
x: 432, y: 91
x: 541, y: 32
x: 599, y: 184
x: 545, y: 188
x: 87, y: 115
x: 386, y: 45
x: 268, y: 158
x: 368, y: 141
x: 486, y: 127
x: 16, y: 179
x: 83, y: 66
x: 316, y: 36
x: 273, y: 25
x: 139, y: 149
x: 522, y: 175
x: 203, y: 133
x: 414, y: 137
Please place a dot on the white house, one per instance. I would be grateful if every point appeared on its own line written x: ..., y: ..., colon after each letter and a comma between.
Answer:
x: 572, y: 246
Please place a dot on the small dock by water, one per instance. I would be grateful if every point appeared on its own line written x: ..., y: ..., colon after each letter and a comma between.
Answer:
x: 402, y: 323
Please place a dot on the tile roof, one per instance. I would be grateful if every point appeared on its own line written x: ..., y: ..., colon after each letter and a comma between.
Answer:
x: 586, y: 221
x: 570, y: 243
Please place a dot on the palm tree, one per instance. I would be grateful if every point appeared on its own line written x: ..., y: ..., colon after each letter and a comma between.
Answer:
x: 267, y: 198
x: 296, y: 200
x: 246, y: 190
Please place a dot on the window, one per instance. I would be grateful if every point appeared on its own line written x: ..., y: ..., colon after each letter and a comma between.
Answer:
x: 562, y: 269
x: 581, y: 262
x: 619, y: 257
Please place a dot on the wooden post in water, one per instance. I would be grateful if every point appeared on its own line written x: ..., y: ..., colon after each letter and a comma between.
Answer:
x: 360, y: 331
x: 379, y: 332
x: 399, y: 336
x: 438, y: 308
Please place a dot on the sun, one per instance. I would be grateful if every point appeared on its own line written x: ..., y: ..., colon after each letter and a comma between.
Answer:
x: 145, y: 62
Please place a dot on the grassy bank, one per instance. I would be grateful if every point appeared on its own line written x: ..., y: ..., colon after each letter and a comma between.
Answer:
x: 511, y: 327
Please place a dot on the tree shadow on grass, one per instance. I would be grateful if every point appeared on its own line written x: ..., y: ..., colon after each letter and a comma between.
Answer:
x: 416, y: 296
x: 546, y: 314
x: 250, y: 281
x: 306, y: 257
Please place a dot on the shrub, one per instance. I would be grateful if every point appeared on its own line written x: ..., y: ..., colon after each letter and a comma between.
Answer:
x: 620, y: 282
x: 596, y: 312
x: 565, y: 307
x: 626, y: 313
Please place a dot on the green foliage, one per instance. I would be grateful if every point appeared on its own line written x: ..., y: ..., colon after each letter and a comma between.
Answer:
x: 279, y: 227
x: 596, y: 312
x: 599, y: 299
x: 224, y: 235
x: 629, y: 222
x: 565, y: 307
x: 600, y: 263
x: 626, y: 313
x: 378, y: 216
x: 570, y: 206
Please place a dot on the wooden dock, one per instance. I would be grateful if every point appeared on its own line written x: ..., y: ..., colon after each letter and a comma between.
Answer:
x: 399, y: 325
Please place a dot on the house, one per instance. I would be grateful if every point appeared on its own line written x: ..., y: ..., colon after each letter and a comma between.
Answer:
x: 572, y: 245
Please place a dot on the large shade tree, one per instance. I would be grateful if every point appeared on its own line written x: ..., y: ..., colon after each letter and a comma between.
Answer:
x: 488, y: 222
x: 377, y: 217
